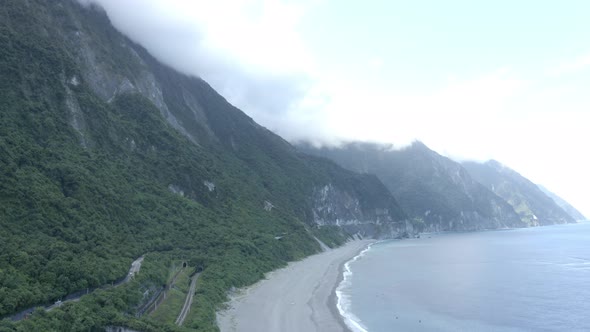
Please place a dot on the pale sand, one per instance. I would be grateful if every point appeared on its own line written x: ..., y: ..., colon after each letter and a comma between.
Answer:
x: 297, y: 298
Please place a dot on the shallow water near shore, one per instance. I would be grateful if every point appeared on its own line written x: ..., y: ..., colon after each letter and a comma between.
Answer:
x: 510, y: 280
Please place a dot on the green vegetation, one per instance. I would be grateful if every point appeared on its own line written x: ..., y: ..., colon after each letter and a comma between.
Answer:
x: 332, y: 236
x: 169, y: 309
x: 77, y: 206
x: 417, y: 224
x: 74, y: 217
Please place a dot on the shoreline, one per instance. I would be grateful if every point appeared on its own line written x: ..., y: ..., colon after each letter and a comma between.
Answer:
x: 333, y: 298
x: 299, y: 297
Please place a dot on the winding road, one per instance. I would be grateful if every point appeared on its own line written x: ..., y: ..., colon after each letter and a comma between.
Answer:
x: 134, y: 269
x: 135, y: 266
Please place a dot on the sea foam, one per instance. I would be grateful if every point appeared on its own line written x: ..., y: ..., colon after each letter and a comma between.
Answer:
x: 343, y: 302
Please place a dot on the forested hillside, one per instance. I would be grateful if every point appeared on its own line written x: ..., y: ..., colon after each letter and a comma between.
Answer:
x: 107, y: 155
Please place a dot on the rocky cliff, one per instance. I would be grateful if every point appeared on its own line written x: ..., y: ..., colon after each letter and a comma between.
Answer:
x: 436, y: 192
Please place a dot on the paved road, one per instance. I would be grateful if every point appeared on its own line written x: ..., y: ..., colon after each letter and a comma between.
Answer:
x: 135, y: 266
x: 134, y: 269
x: 188, y: 301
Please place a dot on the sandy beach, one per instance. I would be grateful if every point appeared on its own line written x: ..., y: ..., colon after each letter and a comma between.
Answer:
x: 299, y: 297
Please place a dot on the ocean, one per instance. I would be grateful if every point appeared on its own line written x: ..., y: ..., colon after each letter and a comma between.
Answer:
x: 534, y: 279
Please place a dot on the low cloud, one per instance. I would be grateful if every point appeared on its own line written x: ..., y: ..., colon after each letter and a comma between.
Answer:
x: 248, y: 51
x: 251, y: 52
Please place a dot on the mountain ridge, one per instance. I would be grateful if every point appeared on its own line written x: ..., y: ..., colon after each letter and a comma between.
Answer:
x: 428, y: 186
x: 533, y: 206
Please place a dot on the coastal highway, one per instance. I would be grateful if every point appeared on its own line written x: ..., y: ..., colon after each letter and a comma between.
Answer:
x: 134, y: 269
x: 135, y: 266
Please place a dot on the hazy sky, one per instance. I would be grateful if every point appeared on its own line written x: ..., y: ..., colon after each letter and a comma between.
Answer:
x: 508, y: 80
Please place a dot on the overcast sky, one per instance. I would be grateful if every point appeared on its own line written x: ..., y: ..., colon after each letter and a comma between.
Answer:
x: 504, y: 79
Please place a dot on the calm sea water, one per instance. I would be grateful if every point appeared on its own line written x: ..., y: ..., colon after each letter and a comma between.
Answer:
x: 535, y: 279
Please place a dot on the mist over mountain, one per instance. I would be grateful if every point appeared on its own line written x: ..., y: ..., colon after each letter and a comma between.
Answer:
x: 304, y: 72
x: 567, y: 207
x: 259, y: 58
x: 532, y: 205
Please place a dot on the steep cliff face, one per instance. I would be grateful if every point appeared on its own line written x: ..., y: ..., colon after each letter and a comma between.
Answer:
x: 360, y: 205
x: 193, y: 108
x: 335, y: 207
x: 107, y: 155
x: 435, y: 191
x: 533, y: 206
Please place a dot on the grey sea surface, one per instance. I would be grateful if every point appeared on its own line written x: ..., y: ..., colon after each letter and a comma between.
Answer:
x: 535, y: 279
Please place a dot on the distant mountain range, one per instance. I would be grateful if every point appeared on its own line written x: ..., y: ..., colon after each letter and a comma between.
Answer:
x: 567, y: 207
x: 532, y: 205
x: 428, y: 186
x: 447, y: 195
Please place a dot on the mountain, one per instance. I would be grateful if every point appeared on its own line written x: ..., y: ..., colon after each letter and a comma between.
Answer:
x: 107, y: 155
x: 533, y: 206
x: 567, y: 207
x: 431, y: 188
